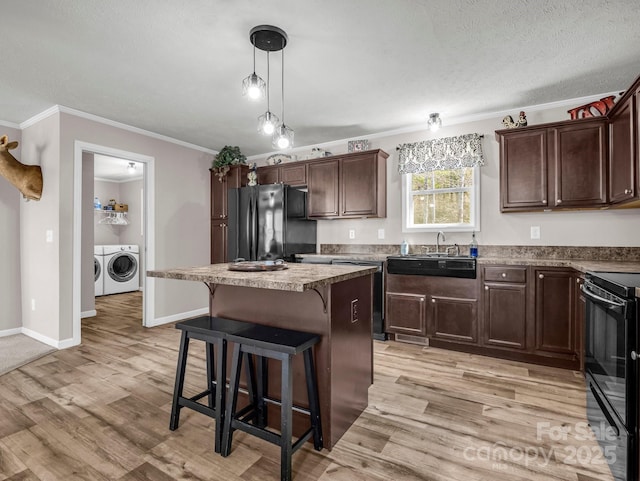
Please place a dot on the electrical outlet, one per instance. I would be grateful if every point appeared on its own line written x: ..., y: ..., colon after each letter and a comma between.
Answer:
x: 33, y: 304
x: 535, y: 232
x: 354, y: 310
x: 380, y: 233
x: 49, y: 235
x: 352, y: 233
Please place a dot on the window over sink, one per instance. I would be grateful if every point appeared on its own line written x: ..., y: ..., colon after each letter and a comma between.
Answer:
x: 447, y: 200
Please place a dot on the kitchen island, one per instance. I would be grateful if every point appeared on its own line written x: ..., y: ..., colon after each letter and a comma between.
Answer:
x: 334, y: 302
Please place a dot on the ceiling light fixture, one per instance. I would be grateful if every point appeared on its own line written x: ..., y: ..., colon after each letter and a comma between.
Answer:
x: 131, y: 168
x: 253, y: 86
x: 435, y: 122
x: 268, y: 121
x: 272, y: 39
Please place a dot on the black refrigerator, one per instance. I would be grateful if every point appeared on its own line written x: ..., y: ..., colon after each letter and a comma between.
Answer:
x: 269, y: 222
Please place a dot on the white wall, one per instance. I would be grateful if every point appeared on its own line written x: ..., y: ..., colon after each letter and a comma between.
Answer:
x: 10, y: 279
x: 40, y: 260
x: 87, y: 283
x: 569, y: 228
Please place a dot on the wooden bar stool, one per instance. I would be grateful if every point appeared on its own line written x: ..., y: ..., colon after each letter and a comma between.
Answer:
x: 213, y: 331
x: 280, y: 344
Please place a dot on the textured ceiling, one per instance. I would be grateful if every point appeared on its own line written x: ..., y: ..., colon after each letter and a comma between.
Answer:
x: 352, y: 67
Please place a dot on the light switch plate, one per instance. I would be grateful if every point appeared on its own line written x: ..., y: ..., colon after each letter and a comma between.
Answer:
x: 352, y: 233
x: 49, y: 235
x: 380, y: 233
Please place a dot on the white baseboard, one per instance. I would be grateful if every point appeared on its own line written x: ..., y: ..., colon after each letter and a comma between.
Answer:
x: 63, y: 344
x: 11, y: 332
x: 177, y: 317
x: 92, y: 313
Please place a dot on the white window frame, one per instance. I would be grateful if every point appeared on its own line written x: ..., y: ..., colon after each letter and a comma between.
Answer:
x: 407, y: 209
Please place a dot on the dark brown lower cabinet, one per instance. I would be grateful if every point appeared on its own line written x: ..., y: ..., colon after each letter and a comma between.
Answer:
x: 530, y: 314
x: 406, y: 313
x: 555, y: 313
x: 505, y: 315
x: 453, y: 319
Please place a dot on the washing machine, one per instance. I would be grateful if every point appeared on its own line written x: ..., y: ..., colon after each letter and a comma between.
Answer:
x: 121, y: 268
x: 98, y: 269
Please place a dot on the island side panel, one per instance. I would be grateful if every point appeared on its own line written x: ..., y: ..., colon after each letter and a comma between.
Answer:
x: 302, y: 311
x: 351, y: 351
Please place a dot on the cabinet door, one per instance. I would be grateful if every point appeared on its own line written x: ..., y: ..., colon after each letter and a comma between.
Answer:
x: 580, y: 164
x: 323, y: 195
x: 218, y: 197
x: 294, y: 175
x: 268, y: 175
x: 554, y: 312
x: 622, y: 161
x: 405, y: 313
x: 359, y: 180
x: 505, y: 315
x: 218, y: 241
x: 523, y: 170
x: 453, y: 319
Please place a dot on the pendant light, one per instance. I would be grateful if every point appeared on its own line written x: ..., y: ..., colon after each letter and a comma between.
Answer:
x: 435, y: 122
x: 268, y: 121
x: 253, y: 86
x: 272, y: 39
x: 283, y: 136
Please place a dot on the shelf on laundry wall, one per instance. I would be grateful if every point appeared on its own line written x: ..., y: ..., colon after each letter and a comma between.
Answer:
x: 112, y: 217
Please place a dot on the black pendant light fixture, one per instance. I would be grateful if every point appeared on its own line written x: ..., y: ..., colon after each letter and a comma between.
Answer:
x: 272, y: 39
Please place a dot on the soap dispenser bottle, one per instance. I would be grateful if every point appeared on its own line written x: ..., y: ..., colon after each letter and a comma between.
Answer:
x: 404, y: 248
x: 473, y: 247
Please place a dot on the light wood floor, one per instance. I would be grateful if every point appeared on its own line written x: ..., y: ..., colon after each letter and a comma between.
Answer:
x: 100, y: 411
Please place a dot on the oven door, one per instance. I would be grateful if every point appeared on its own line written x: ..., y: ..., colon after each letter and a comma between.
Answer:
x: 610, y: 349
x: 617, y: 443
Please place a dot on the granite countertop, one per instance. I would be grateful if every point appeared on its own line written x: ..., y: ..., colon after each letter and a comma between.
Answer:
x: 581, y: 265
x: 298, y: 277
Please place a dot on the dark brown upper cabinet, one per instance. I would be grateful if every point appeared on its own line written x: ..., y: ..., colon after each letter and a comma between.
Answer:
x: 348, y: 186
x: 554, y: 166
x: 623, y: 162
x: 294, y: 174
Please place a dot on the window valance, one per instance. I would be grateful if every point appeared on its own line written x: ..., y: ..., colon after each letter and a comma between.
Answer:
x: 445, y: 153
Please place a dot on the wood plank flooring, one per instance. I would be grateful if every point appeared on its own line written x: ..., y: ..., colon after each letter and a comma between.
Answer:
x: 100, y: 411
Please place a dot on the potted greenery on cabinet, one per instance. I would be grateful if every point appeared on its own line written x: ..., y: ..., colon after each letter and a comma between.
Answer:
x: 226, y: 157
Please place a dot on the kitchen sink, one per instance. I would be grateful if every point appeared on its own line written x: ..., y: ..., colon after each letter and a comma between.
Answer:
x: 433, y: 265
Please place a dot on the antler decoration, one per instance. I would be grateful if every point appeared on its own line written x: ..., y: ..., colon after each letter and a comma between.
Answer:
x: 26, y: 178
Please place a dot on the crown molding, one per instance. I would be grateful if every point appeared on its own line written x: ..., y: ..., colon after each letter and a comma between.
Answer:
x: 112, y: 123
x: 11, y: 125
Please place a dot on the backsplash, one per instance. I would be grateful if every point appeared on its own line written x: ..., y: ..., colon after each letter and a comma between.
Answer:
x: 631, y: 254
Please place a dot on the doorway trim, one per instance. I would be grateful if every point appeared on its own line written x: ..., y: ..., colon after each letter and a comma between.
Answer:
x: 148, y: 250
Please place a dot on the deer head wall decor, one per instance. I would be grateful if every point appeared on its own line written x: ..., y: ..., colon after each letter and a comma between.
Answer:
x: 26, y: 178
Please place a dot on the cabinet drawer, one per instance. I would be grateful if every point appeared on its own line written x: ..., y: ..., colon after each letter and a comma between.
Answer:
x: 505, y: 274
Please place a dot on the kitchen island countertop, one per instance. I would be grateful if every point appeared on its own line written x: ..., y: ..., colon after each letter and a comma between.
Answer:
x: 297, y: 277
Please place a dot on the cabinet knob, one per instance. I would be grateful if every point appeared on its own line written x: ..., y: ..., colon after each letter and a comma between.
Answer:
x: 433, y: 301
x: 540, y: 276
x: 486, y: 288
x: 221, y: 215
x: 544, y: 201
x: 504, y: 274
x: 559, y: 201
x: 578, y: 280
x: 627, y: 191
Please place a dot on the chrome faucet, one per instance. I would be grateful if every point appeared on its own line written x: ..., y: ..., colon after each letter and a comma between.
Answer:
x: 440, y: 233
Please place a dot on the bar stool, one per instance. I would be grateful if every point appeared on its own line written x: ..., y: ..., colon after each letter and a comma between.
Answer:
x: 280, y: 344
x: 213, y: 331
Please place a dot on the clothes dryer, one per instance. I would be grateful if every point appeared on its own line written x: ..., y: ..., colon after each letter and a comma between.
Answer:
x: 98, y: 270
x: 121, y: 268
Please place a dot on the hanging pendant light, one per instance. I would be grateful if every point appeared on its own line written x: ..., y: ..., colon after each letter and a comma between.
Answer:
x: 268, y: 121
x: 253, y: 86
x: 283, y: 136
x: 435, y: 122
